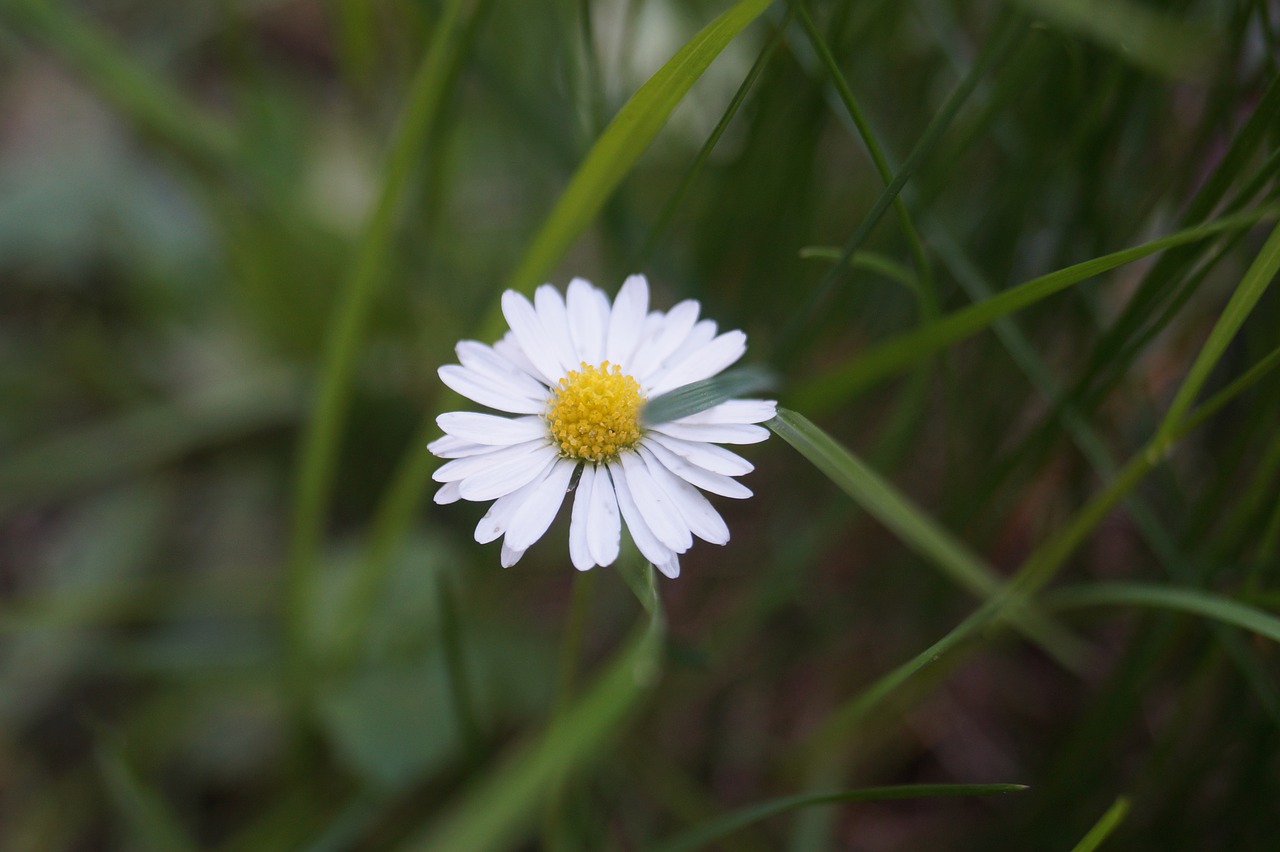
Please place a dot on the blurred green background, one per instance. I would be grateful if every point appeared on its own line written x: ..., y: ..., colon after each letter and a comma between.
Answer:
x: 237, y: 238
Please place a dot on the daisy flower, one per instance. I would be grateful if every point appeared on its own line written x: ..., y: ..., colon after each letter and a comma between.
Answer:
x: 576, y: 372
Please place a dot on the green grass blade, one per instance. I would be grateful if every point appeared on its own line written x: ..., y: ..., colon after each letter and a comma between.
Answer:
x: 832, y: 388
x: 867, y: 261
x: 925, y: 292
x: 504, y: 802
x: 702, y: 395
x: 994, y: 52
x: 883, y: 502
x: 1102, y: 829
x: 668, y: 213
x: 624, y: 140
x: 150, y: 821
x: 1255, y: 282
x: 140, y: 94
x: 1050, y: 556
x: 701, y: 836
x: 319, y: 447
x: 145, y: 438
x: 1134, y: 32
x: 1153, y: 596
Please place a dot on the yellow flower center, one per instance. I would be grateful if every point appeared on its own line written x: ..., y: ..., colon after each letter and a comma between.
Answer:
x: 595, y: 413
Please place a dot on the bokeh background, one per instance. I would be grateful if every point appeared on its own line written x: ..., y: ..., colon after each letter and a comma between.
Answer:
x: 237, y: 238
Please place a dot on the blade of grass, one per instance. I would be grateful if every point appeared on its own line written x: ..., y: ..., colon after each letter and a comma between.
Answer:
x: 923, y: 271
x: 1095, y: 450
x: 699, y: 396
x: 1040, y: 567
x: 151, y: 822
x: 624, y: 140
x: 837, y: 385
x: 319, y: 446
x: 702, y: 835
x: 997, y: 48
x: 139, y: 440
x: 1255, y: 282
x: 499, y: 807
x: 140, y: 94
x: 1135, y: 33
x: 664, y: 218
x: 914, y: 527
x: 1106, y: 824
x: 1154, y: 596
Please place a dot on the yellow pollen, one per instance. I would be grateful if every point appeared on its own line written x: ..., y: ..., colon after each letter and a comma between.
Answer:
x: 595, y: 413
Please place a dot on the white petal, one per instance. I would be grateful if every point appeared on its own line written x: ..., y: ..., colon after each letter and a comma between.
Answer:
x: 555, y: 322
x: 461, y: 468
x: 714, y: 433
x: 449, y: 447
x: 579, y: 550
x: 491, y: 429
x: 531, y: 336
x: 670, y: 568
x: 484, y: 390
x: 588, y: 309
x: 510, y: 556
x: 708, y: 456
x: 659, y: 513
x: 702, y: 333
x: 655, y: 349
x: 447, y: 493
x: 696, y: 511
x: 502, y: 479
x: 539, y: 510
x: 507, y: 365
x: 498, y: 518
x: 604, y: 524
x: 707, y: 480
x: 702, y: 363
x: 509, y: 348
x: 652, y: 549
x: 626, y: 320
x: 735, y: 411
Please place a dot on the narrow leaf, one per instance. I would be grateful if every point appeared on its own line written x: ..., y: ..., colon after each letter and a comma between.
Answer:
x: 699, y: 396
x: 699, y: 837
x: 497, y: 808
x: 1150, y: 595
x: 914, y: 527
x: 624, y: 140
x: 1256, y: 280
x: 911, y: 347
x: 1106, y: 824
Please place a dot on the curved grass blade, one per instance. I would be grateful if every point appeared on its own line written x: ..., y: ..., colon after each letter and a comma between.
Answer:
x: 624, y: 140
x: 699, y: 396
x: 150, y: 821
x: 1255, y: 282
x: 1150, y: 595
x: 1135, y: 33
x: 906, y: 349
x: 916, y: 529
x: 867, y: 261
x: 145, y: 97
x: 1106, y: 824
x: 699, y: 837
x: 997, y: 48
x: 319, y: 446
x: 502, y: 804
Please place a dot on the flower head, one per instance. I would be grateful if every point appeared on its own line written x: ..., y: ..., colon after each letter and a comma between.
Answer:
x: 576, y: 372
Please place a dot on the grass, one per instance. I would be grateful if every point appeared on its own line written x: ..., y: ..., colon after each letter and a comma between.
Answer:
x: 1007, y: 267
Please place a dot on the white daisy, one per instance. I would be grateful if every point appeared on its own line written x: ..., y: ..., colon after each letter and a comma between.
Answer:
x: 577, y: 372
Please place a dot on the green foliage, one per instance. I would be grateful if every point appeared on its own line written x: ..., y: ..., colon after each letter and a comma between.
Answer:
x: 1018, y: 522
